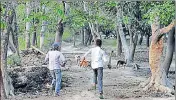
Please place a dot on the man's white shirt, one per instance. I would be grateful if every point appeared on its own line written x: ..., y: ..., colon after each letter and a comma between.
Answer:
x: 98, y: 57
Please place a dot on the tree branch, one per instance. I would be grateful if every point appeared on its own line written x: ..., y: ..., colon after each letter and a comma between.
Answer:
x: 167, y: 28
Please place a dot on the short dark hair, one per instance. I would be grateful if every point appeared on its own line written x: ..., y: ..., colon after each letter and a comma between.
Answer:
x: 98, y: 42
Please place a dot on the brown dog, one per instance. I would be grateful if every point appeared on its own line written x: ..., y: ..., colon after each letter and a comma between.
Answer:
x: 85, y: 63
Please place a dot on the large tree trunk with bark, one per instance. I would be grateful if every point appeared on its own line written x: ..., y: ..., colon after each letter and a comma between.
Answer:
x: 87, y: 35
x: 82, y: 36
x: 122, y: 35
x: 147, y: 40
x: 170, y: 50
x: 119, y: 44
x: 60, y: 28
x: 158, y: 80
x: 141, y: 38
x: 90, y: 39
x: 34, y: 35
x: 42, y: 33
x: 7, y: 82
x: 15, y: 31
x: 59, y: 33
x: 74, y: 38
x: 133, y: 47
x: 27, y: 24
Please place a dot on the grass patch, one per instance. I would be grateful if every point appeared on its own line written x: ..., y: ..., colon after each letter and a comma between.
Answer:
x: 110, y: 42
x: 21, y: 41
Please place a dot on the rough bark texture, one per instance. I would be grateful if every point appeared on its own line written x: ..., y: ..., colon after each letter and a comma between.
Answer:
x: 8, y: 88
x: 60, y: 29
x: 90, y: 39
x: 158, y: 80
x: 87, y: 35
x: 15, y: 39
x: 147, y: 40
x: 141, y: 39
x: 122, y: 35
x: 170, y: 50
x: 133, y: 47
x: 27, y: 25
x: 42, y: 33
x: 34, y: 37
x: 59, y: 33
x: 74, y: 39
x: 82, y: 36
x: 119, y: 44
x: 42, y: 30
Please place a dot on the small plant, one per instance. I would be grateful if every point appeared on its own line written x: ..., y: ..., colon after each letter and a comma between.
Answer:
x: 14, y: 60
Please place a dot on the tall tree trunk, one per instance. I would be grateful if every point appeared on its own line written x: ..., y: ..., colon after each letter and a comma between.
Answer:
x: 158, y: 80
x: 7, y: 82
x: 119, y: 44
x: 141, y: 39
x: 34, y: 37
x: 27, y: 25
x: 2, y: 94
x: 133, y: 48
x: 82, y: 36
x: 87, y: 35
x: 42, y: 33
x: 170, y: 50
x: 122, y: 35
x: 15, y: 31
x: 90, y: 39
x: 147, y: 40
x: 59, y: 33
x: 60, y: 28
x: 74, y: 39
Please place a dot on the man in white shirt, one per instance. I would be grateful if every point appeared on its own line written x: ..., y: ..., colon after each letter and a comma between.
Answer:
x: 56, y: 61
x: 98, y: 60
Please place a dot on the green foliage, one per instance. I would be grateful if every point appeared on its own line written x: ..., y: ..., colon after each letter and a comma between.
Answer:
x: 13, y: 60
x: 111, y: 4
x: 21, y: 40
x: 164, y: 9
x: 66, y: 34
x: 125, y: 19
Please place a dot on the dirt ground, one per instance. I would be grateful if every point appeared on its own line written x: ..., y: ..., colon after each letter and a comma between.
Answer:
x: 118, y: 84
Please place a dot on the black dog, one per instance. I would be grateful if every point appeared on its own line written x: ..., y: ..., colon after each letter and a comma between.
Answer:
x: 122, y: 63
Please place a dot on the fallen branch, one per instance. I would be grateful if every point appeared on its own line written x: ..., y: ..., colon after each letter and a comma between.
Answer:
x: 38, y: 50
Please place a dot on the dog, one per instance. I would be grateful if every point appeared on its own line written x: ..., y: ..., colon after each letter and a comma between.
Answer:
x: 120, y: 63
x: 77, y: 58
x: 85, y: 63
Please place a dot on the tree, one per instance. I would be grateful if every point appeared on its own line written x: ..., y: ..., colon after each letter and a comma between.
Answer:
x: 133, y: 30
x: 60, y: 26
x: 7, y: 82
x: 43, y: 29
x: 158, y: 80
x: 34, y: 24
x: 27, y: 24
x: 170, y: 50
x: 119, y: 44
